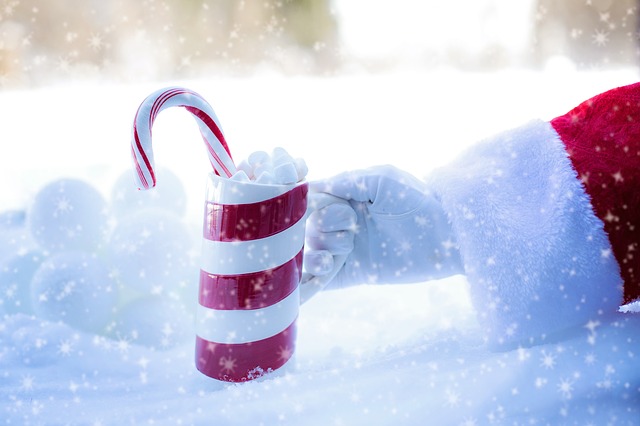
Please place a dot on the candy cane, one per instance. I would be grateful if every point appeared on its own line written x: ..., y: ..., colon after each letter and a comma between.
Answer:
x: 210, y: 129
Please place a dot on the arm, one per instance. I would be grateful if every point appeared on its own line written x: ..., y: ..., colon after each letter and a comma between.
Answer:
x: 510, y: 213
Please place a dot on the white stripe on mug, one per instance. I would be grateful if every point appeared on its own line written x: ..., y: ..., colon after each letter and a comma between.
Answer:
x: 249, y: 325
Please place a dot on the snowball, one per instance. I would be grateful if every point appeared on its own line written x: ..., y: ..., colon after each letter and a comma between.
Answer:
x: 68, y: 214
x: 75, y: 288
x: 149, y: 252
x: 16, y: 274
x: 33, y: 342
x: 169, y: 194
x: 154, y: 322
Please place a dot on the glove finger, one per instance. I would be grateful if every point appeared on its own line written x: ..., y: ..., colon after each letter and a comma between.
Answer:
x: 334, y: 217
x: 337, y: 242
x: 318, y: 262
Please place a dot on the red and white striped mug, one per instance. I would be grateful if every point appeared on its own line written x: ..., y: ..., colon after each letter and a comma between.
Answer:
x: 251, y: 270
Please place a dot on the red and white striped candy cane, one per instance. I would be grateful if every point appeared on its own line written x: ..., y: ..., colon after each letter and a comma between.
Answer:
x: 141, y: 149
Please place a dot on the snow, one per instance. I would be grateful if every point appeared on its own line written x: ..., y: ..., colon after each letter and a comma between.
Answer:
x: 410, y: 354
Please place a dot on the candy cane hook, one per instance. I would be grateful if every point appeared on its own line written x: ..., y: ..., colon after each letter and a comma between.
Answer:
x: 141, y: 149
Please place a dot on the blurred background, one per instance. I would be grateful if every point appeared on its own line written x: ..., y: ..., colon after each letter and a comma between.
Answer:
x: 125, y: 41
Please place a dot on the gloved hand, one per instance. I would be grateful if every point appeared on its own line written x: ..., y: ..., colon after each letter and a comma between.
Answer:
x: 393, y: 230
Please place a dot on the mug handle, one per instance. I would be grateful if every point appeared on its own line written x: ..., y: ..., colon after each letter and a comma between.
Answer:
x: 312, y: 284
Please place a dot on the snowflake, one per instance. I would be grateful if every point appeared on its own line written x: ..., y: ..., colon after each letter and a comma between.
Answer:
x: 167, y: 330
x: 284, y: 353
x: 453, y: 398
x: 600, y: 38
x: 547, y: 360
x: 65, y: 348
x: 11, y: 292
x: 143, y: 362
x: 589, y: 359
x: 67, y: 290
x: 610, y: 217
x: 232, y: 335
x: 605, y: 253
x: 36, y: 407
x: 448, y: 244
x: 371, y: 278
x: 123, y: 345
x: 71, y: 36
x: 8, y: 8
x: 63, y: 205
x: 523, y: 354
x: 421, y: 221
x: 228, y: 364
x: 185, y: 61
x: 145, y: 233
x: 540, y: 382
x: 27, y: 383
x: 405, y: 246
x: 565, y: 387
x: 592, y: 325
x: 360, y: 185
x: 95, y: 42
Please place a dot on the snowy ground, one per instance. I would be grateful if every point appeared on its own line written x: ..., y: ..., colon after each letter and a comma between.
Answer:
x: 369, y: 355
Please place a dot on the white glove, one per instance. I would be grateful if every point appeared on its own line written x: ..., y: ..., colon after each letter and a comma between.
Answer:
x: 394, y: 232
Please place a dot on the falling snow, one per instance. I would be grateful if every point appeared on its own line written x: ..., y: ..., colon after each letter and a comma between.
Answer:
x: 411, y: 354
x: 404, y: 355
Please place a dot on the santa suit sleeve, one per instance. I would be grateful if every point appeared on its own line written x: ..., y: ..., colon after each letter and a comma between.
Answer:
x: 547, y: 219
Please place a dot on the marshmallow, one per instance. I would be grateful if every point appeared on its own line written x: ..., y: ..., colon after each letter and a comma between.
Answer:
x: 301, y: 168
x: 266, y: 178
x: 257, y: 158
x: 278, y: 152
x: 246, y: 168
x: 240, y: 176
x: 278, y: 168
x: 285, y: 173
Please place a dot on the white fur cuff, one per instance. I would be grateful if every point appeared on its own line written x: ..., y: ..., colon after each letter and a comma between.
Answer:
x: 536, y: 256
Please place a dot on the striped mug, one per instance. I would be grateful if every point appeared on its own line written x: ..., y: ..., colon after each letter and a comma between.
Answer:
x: 250, y: 276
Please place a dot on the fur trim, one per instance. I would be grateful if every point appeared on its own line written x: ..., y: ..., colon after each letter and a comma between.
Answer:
x: 537, y: 258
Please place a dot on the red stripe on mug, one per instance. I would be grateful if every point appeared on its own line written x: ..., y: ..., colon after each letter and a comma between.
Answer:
x: 243, y: 222
x: 237, y: 362
x: 250, y: 291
